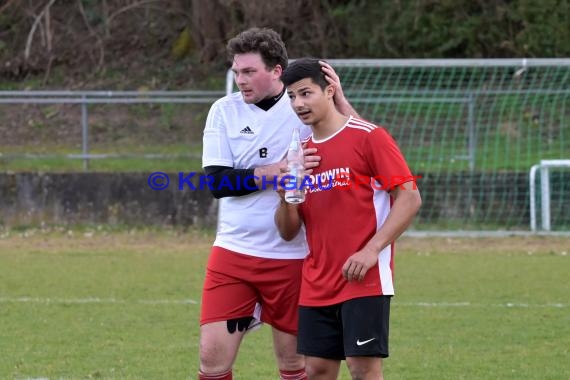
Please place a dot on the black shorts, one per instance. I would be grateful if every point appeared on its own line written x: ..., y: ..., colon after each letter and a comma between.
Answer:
x: 357, y: 327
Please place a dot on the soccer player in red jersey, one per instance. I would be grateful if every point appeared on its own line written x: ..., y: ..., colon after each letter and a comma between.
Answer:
x: 360, y: 198
x: 252, y: 274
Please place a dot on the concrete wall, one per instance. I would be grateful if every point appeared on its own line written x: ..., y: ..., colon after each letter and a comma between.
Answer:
x: 461, y: 200
x: 115, y: 198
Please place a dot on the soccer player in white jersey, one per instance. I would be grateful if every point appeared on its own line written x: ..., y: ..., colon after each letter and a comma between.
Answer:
x: 245, y: 141
x: 359, y: 199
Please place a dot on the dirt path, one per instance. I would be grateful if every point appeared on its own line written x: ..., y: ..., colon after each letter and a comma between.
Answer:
x: 168, y: 240
x: 512, y: 244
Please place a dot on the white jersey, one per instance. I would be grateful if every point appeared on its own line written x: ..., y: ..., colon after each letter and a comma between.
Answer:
x: 244, y: 136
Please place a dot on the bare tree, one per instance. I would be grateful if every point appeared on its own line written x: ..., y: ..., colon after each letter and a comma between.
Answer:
x: 209, y: 27
x: 306, y: 22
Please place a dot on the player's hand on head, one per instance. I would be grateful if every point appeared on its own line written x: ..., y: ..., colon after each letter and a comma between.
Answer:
x: 332, y: 77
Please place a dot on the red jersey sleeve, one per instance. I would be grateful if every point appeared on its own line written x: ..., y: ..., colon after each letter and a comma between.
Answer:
x: 386, y: 162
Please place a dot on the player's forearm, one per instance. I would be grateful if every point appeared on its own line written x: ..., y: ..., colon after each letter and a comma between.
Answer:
x: 287, y: 220
x: 229, y: 182
x: 345, y: 108
x: 225, y: 181
x: 405, y: 207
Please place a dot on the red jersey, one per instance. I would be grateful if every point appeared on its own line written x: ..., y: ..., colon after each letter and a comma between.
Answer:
x: 347, y: 201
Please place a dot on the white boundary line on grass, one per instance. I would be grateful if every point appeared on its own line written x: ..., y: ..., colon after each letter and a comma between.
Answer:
x: 469, y: 304
x: 96, y: 300
x: 483, y: 234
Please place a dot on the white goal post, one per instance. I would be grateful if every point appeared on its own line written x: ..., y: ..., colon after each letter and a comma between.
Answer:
x: 544, y: 168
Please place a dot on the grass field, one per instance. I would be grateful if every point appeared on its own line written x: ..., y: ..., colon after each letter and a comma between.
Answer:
x: 176, y: 158
x: 96, y: 304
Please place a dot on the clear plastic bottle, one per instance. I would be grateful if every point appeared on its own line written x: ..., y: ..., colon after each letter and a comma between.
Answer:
x: 296, y: 167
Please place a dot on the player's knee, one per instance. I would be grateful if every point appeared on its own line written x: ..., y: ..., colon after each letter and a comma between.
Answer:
x: 358, y: 372
x: 358, y: 375
x: 211, y: 362
x: 287, y: 356
x: 315, y: 371
x: 211, y: 368
x: 218, y: 349
x: 291, y: 362
x: 214, y: 358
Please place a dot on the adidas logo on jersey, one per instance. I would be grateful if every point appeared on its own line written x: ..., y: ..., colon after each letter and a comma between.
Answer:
x: 247, y: 131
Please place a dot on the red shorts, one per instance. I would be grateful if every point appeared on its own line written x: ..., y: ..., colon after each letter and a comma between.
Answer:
x: 235, y: 282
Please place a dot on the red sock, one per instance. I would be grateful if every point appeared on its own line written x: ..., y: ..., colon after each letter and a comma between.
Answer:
x: 299, y: 374
x: 219, y: 376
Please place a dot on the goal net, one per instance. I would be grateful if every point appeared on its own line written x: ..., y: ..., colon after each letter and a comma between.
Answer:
x: 472, y: 129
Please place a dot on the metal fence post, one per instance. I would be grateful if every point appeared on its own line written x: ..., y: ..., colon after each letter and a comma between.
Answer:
x: 471, y: 151
x: 472, y: 135
x: 85, y: 133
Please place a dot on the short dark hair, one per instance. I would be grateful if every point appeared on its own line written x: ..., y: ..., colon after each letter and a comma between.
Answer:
x: 304, y: 68
x: 265, y: 41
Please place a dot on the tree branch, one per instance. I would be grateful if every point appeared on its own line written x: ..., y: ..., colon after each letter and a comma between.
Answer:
x: 93, y: 33
x: 34, y: 27
x: 128, y: 7
x: 7, y: 5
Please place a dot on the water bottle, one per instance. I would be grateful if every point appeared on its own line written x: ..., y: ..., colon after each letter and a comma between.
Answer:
x: 296, y: 167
